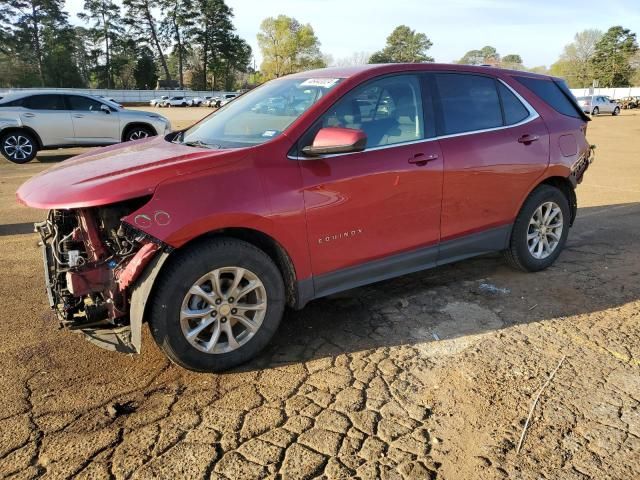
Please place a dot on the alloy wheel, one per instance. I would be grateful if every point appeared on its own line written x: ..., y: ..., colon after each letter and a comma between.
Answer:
x: 138, y: 134
x: 223, y: 310
x: 18, y: 147
x: 545, y: 230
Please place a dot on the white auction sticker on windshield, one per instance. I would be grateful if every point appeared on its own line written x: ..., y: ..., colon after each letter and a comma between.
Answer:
x: 320, y: 82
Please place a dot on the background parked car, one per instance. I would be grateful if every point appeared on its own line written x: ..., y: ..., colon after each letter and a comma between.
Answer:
x: 217, y: 102
x: 629, y: 102
x: 45, y: 120
x: 195, y: 102
x: 227, y: 98
x: 596, y: 104
x: 157, y: 101
x: 179, y: 101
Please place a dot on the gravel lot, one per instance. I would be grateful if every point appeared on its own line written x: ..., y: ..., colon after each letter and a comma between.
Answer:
x: 426, y: 376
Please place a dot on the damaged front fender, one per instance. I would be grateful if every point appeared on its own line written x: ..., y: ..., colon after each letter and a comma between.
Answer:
x: 140, y: 294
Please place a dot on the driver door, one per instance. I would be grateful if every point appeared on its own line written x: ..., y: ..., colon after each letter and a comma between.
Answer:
x: 91, y: 124
x: 362, y: 207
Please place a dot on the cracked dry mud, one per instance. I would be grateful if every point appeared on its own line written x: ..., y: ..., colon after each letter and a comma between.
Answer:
x: 425, y: 376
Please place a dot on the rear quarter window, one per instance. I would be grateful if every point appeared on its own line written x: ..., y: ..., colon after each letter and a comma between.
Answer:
x: 514, y: 110
x: 551, y: 94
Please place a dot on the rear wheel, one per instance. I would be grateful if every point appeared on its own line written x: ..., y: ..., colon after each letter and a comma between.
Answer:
x: 595, y: 111
x: 18, y: 147
x: 540, y: 231
x: 217, y: 305
x: 616, y: 111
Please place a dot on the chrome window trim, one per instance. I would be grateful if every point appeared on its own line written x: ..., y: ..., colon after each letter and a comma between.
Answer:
x: 533, y: 115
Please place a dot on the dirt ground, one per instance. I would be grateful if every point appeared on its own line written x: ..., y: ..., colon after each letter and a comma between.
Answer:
x: 426, y: 376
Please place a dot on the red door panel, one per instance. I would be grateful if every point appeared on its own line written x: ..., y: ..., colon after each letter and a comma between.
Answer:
x: 487, y: 175
x: 371, y: 204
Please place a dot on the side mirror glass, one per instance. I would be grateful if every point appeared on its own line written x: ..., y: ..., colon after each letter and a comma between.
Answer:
x: 331, y: 140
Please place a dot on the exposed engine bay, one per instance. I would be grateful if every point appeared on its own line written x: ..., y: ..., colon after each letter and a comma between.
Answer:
x: 91, y: 261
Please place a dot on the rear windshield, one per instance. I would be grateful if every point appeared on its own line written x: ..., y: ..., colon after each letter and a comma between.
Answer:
x: 556, y: 94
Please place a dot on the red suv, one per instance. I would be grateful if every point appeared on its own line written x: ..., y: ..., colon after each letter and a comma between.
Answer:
x: 311, y: 184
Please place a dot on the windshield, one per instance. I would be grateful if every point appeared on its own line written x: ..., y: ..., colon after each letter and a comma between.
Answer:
x: 259, y: 115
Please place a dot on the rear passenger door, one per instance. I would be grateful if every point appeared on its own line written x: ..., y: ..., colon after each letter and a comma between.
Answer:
x: 92, y: 124
x: 494, y: 145
x: 47, y: 115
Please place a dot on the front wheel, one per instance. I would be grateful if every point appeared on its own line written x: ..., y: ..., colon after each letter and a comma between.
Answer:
x: 540, y: 230
x: 136, y: 133
x: 616, y: 111
x: 595, y: 111
x: 217, y: 305
x: 18, y: 147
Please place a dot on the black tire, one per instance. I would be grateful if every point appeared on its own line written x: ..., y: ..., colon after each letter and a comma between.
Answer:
x: 595, y: 111
x: 28, y: 147
x: 184, y: 104
x: 518, y: 254
x: 180, y: 275
x: 616, y: 111
x: 138, y: 132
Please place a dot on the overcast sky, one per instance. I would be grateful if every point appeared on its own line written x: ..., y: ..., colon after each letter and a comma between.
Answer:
x: 535, y: 29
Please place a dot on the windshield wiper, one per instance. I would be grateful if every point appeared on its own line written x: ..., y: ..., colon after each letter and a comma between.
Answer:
x: 201, y: 144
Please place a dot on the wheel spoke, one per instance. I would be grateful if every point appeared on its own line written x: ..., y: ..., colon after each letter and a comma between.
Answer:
x: 238, y: 276
x: 249, y: 288
x: 252, y: 327
x: 247, y: 307
x: 204, y: 324
x: 215, y: 282
x: 554, y: 214
x: 206, y: 296
x: 215, y: 336
x: 231, y: 339
x: 189, y: 313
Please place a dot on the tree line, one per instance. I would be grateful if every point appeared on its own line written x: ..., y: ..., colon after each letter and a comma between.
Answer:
x: 193, y: 43
x: 128, y: 45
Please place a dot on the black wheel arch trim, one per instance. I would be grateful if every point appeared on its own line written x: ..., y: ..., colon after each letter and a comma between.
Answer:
x: 29, y: 130
x: 129, y: 126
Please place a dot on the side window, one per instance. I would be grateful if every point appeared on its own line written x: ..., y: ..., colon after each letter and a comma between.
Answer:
x: 388, y: 110
x: 469, y: 102
x: 514, y: 110
x: 84, y: 104
x: 15, y: 103
x: 45, y: 102
x: 551, y: 93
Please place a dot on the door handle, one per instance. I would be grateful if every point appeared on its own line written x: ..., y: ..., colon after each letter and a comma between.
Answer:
x: 29, y: 115
x: 527, y: 139
x: 78, y: 115
x: 421, y: 159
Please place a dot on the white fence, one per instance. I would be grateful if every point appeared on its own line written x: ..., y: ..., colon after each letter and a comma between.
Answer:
x: 128, y: 96
x: 608, y: 92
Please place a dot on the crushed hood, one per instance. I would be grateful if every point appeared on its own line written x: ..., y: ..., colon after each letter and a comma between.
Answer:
x: 116, y: 173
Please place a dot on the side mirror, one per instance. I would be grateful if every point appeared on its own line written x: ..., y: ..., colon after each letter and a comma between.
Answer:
x: 336, y: 140
x: 105, y: 109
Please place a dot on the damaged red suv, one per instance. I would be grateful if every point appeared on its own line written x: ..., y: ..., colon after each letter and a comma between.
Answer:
x: 311, y: 184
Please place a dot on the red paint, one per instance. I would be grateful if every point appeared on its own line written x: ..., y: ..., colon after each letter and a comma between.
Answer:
x: 368, y: 204
x: 133, y: 269
x: 332, y: 136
